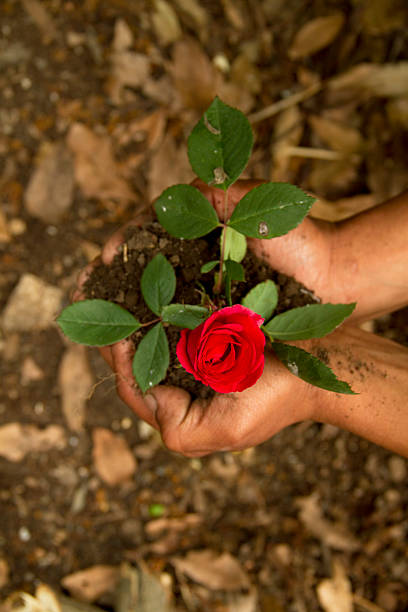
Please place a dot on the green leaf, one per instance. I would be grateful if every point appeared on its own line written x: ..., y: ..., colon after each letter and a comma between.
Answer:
x: 97, y: 322
x: 158, y: 283
x: 262, y: 299
x: 270, y: 210
x: 185, y: 315
x: 220, y: 145
x: 310, y: 368
x: 185, y: 213
x: 234, y: 270
x: 151, y: 359
x: 210, y: 265
x: 311, y: 321
x: 235, y: 244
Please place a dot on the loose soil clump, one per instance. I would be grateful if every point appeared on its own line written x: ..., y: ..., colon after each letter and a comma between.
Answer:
x: 119, y: 282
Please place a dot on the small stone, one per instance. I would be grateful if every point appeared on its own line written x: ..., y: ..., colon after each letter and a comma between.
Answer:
x: 30, y: 371
x: 24, y: 534
x: 398, y: 468
x: 141, y: 260
x: 75, y: 38
x: 32, y: 305
x: 17, y: 227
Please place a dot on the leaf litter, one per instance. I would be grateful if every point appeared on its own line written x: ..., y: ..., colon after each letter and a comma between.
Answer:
x: 115, y: 90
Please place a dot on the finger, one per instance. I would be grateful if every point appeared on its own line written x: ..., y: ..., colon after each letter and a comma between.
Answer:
x: 216, y: 196
x: 233, y: 421
x: 106, y: 353
x: 307, y: 253
x: 128, y: 391
x: 118, y: 238
x: 77, y: 293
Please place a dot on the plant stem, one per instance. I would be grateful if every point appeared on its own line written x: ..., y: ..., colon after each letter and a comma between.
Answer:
x: 150, y: 322
x: 218, y: 285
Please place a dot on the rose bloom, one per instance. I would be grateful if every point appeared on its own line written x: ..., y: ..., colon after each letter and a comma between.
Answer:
x: 226, y: 352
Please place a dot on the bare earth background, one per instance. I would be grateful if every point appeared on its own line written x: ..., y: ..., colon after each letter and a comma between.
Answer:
x: 97, y: 98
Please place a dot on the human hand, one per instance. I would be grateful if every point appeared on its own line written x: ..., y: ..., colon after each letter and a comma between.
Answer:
x: 315, y: 254
x: 229, y: 421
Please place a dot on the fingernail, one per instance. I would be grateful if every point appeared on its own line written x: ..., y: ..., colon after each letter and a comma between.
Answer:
x: 151, y: 402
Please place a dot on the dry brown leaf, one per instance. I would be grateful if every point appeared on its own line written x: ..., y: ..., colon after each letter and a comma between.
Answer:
x: 197, y: 13
x: 288, y: 131
x: 316, y: 35
x: 75, y: 381
x: 386, y: 176
x: 336, y: 135
x: 148, y: 129
x: 165, y: 22
x: 112, y: 457
x: 122, y: 36
x: 196, y: 81
x: 17, y: 440
x: 215, y: 571
x: 44, y: 600
x: 333, y: 535
x: 233, y: 13
x: 128, y: 69
x: 334, y: 594
x: 234, y: 95
x: 4, y: 230
x: 157, y: 526
x: 139, y: 590
x: 30, y: 371
x: 96, y: 171
x: 168, y: 166
x: 47, y: 599
x: 194, y: 76
x: 343, y: 208
x: 332, y: 179
x: 246, y: 74
x: 41, y: 18
x: 377, y: 80
x: 397, y: 112
x: 244, y: 602
x: 50, y: 191
x: 32, y: 305
x: 89, y: 584
x: 382, y: 16
x: 4, y: 573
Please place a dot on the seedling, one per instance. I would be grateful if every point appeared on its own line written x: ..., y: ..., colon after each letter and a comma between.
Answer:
x: 219, y: 148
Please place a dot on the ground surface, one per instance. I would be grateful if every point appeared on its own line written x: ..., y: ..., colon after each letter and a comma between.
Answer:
x: 97, y: 99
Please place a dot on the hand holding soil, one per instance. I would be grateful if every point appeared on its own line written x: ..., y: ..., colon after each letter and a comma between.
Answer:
x: 340, y: 262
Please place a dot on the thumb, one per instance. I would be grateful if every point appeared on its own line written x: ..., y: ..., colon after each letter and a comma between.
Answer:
x: 216, y: 196
x: 172, y: 406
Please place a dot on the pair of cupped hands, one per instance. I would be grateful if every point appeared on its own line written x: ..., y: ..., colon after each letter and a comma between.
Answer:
x: 238, y: 420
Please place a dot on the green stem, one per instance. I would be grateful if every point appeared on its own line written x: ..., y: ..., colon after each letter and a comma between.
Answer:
x: 218, y: 286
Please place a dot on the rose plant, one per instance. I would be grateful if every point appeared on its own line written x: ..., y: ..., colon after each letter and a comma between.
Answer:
x: 226, y: 352
x: 221, y: 344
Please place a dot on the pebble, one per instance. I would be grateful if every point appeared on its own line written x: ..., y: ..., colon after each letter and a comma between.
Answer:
x: 24, y: 534
x: 398, y: 468
x: 32, y: 305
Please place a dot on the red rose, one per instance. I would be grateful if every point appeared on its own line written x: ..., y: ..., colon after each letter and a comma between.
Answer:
x: 226, y: 352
